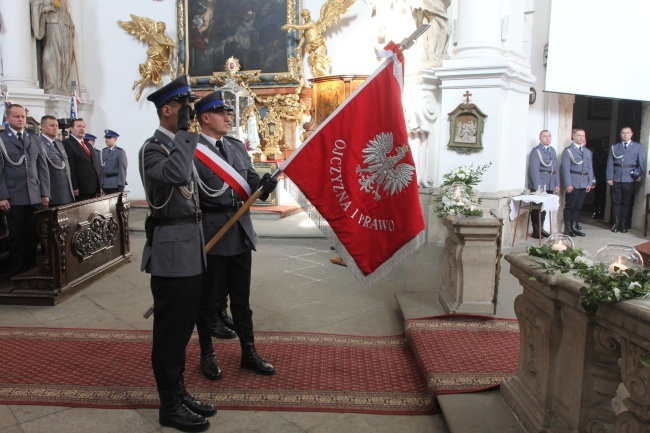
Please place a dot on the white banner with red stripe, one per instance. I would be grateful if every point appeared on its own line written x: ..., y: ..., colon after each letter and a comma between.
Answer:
x: 224, y: 170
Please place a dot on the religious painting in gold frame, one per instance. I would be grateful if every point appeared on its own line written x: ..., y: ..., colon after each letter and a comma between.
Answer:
x: 212, y: 31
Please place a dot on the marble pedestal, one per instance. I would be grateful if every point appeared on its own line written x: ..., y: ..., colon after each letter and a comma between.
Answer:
x: 469, y: 265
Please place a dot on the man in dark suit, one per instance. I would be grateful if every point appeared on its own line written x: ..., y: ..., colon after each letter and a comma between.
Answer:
x: 174, y: 253
x: 24, y: 185
x: 543, y: 174
x: 114, y: 164
x: 623, y: 158
x: 83, y: 172
x: 57, y: 160
x: 577, y: 178
x: 229, y: 261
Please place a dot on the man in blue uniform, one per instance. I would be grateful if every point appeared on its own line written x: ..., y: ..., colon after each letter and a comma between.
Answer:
x: 174, y: 253
x: 24, y: 187
x: 543, y: 174
x: 114, y: 164
x: 57, y: 161
x: 577, y: 179
x: 623, y: 159
x: 230, y: 260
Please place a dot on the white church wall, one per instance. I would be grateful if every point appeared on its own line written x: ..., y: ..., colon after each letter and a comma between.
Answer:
x: 111, y: 58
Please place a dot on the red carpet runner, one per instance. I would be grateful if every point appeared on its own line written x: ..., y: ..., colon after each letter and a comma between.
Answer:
x: 111, y: 369
x: 464, y: 353
x: 315, y: 372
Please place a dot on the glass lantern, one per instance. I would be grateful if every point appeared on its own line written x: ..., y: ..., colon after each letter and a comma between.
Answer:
x: 458, y: 194
x: 617, y: 258
x: 560, y: 242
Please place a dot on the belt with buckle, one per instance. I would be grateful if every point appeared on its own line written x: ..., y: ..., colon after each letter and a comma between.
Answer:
x: 195, y: 218
x: 110, y: 174
x: 548, y: 171
x: 584, y: 173
x: 616, y: 164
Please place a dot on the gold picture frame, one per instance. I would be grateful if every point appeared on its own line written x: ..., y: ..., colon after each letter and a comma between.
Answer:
x: 247, y: 31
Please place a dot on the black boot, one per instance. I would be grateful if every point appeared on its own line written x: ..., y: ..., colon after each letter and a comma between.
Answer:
x: 544, y: 232
x: 202, y: 408
x: 173, y: 413
x: 220, y: 330
x: 622, y: 226
x: 535, y: 223
x: 250, y: 360
x: 209, y: 366
x: 576, y: 229
x: 616, y: 224
x: 222, y: 314
x: 568, y: 230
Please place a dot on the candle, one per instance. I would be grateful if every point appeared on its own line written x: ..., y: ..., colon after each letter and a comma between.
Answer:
x: 617, y: 267
x: 559, y: 247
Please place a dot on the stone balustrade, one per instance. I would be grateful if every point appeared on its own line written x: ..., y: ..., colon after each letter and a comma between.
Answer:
x: 577, y: 373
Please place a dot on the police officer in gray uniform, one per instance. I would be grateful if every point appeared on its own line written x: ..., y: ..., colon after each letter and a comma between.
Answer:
x: 114, y: 164
x: 57, y: 160
x: 174, y: 253
x: 577, y: 179
x: 623, y: 159
x: 24, y: 184
x: 542, y: 173
x: 230, y: 260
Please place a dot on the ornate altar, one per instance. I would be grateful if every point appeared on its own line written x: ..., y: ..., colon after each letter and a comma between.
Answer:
x: 80, y: 243
x: 327, y: 93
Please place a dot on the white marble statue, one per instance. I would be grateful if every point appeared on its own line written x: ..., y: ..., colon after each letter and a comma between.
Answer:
x: 51, y: 21
x: 435, y: 40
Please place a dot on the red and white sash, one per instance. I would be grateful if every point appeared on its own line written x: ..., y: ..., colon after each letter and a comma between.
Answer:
x: 224, y: 170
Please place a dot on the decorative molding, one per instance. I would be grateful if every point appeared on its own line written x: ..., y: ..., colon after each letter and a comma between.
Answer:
x: 96, y: 234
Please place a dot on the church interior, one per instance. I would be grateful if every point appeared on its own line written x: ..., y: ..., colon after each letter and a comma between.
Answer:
x: 479, y: 84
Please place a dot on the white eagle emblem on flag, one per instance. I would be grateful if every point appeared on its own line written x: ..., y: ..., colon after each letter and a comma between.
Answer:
x: 384, y: 172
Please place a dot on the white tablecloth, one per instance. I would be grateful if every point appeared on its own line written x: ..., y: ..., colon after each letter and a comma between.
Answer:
x: 550, y: 202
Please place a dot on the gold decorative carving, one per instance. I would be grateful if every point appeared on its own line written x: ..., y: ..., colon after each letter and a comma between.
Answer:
x: 159, y: 54
x: 96, y: 234
x: 232, y: 68
x: 271, y: 127
x: 180, y: 21
x: 312, y: 40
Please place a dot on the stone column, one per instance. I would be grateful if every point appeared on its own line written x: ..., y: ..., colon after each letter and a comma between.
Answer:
x: 479, y: 28
x: 469, y: 265
x: 499, y: 81
x: 18, y: 49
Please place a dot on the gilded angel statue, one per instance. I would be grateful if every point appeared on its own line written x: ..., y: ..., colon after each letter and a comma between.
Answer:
x: 311, y: 34
x: 159, y: 54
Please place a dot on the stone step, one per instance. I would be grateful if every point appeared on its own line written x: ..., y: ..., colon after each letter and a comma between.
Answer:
x: 478, y: 412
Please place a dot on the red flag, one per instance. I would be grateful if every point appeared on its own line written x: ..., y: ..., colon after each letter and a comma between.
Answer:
x: 357, y: 171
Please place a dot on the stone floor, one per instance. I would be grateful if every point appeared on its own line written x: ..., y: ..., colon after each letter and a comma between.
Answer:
x: 295, y: 288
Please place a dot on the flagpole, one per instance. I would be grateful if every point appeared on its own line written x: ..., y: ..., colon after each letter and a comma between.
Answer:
x: 242, y: 210
x: 216, y: 238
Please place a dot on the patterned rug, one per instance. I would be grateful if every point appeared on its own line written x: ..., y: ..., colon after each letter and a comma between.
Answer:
x: 462, y: 353
x: 315, y: 372
x: 111, y: 369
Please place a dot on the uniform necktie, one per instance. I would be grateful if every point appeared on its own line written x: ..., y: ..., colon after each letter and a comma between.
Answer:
x: 222, y: 151
x: 20, y: 138
x: 625, y: 144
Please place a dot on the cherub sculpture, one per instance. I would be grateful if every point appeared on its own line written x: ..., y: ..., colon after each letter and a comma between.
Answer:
x: 159, y: 54
x: 311, y: 34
